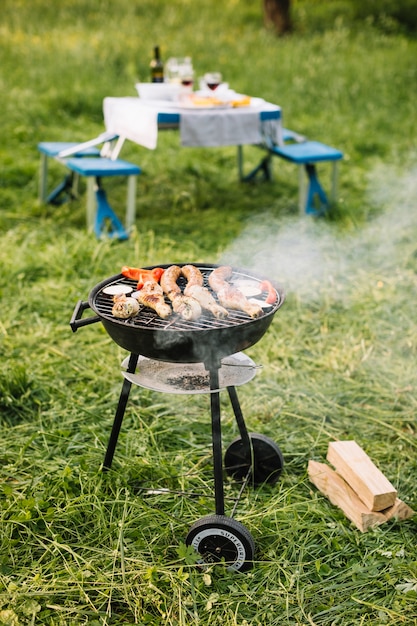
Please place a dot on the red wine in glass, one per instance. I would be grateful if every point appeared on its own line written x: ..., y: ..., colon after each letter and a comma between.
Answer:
x: 213, y: 80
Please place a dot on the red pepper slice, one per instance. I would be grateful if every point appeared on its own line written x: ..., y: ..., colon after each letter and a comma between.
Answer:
x: 142, y: 275
x: 272, y: 294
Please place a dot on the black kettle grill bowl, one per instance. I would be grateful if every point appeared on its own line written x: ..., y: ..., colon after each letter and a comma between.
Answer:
x: 207, y: 340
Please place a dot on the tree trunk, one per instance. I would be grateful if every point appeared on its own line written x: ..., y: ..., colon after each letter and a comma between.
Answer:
x: 277, y: 15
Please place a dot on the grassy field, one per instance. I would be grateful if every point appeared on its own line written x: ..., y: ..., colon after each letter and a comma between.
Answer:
x: 79, y: 546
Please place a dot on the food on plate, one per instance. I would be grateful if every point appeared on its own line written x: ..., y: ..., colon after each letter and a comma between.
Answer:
x: 205, y: 101
x: 185, y: 306
x: 142, y: 275
x: 230, y: 297
x: 152, y: 296
x: 271, y: 298
x: 125, y: 307
x: 244, y: 101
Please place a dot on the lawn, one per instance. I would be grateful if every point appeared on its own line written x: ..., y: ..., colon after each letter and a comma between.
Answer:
x: 82, y: 546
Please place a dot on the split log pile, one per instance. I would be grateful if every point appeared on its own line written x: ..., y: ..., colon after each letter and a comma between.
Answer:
x: 357, y: 486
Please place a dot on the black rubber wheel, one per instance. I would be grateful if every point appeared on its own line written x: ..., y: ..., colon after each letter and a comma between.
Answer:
x: 219, y: 538
x: 264, y: 458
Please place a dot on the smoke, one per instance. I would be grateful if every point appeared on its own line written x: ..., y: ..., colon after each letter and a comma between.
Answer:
x: 306, y: 255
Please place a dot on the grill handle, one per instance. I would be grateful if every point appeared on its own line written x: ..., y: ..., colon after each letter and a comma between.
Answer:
x: 76, y: 321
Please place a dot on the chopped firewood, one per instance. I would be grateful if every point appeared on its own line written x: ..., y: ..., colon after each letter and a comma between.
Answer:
x: 399, y: 510
x: 354, y: 465
x: 341, y: 495
x: 337, y: 490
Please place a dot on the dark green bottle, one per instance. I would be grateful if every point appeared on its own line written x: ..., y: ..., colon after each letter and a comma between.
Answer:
x: 157, y: 67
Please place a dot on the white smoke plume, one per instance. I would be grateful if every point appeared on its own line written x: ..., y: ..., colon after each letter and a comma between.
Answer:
x: 304, y: 254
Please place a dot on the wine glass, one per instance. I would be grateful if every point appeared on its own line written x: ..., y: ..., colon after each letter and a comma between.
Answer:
x: 212, y: 80
x: 186, y: 74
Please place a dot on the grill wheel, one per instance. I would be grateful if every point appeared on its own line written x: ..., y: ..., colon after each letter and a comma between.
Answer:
x: 218, y: 538
x: 263, y: 459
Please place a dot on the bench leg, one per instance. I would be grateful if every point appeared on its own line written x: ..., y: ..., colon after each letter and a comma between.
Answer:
x: 315, y: 191
x: 75, y: 185
x: 264, y: 168
x: 106, y: 221
x: 131, y: 202
x: 69, y: 185
x: 43, y: 177
x: 333, y: 193
x: 302, y: 189
x: 91, y: 202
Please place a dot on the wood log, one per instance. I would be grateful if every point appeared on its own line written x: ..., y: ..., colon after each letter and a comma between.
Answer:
x: 342, y: 495
x: 357, y: 469
x: 330, y: 484
x: 399, y: 511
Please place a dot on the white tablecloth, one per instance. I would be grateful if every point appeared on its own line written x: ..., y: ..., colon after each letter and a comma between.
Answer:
x: 137, y: 120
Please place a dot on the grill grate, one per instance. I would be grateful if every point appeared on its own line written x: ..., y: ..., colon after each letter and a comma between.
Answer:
x: 148, y: 319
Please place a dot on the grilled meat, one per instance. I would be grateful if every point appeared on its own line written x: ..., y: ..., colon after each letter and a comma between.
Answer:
x: 230, y: 297
x: 152, y: 296
x: 124, y: 307
x: 219, y: 277
x: 192, y: 275
x: 205, y: 299
x: 169, y: 280
x: 185, y: 306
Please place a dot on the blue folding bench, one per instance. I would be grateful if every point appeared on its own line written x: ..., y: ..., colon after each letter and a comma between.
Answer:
x: 68, y: 188
x: 100, y: 216
x: 86, y: 160
x: 306, y: 154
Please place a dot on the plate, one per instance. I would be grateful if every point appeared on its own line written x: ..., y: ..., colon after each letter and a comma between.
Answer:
x: 249, y: 288
x: 117, y: 290
x: 189, y: 378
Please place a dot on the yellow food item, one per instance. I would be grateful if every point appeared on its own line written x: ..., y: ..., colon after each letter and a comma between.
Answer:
x: 242, y: 102
x: 205, y: 101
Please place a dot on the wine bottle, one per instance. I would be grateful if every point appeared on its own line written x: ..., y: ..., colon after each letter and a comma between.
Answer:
x: 157, y: 67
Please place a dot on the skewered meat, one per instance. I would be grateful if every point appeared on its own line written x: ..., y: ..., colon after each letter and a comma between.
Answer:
x: 185, y: 306
x: 230, y: 297
x: 192, y: 275
x: 206, y: 300
x: 124, y: 307
x: 152, y: 296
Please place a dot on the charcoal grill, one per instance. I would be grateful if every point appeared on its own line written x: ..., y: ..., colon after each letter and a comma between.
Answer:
x: 202, y: 356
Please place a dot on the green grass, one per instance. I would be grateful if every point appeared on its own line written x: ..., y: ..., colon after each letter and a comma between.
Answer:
x: 82, y: 547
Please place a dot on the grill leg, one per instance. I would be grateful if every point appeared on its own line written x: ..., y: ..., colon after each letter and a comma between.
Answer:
x: 120, y: 411
x: 239, y: 418
x: 217, y: 442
